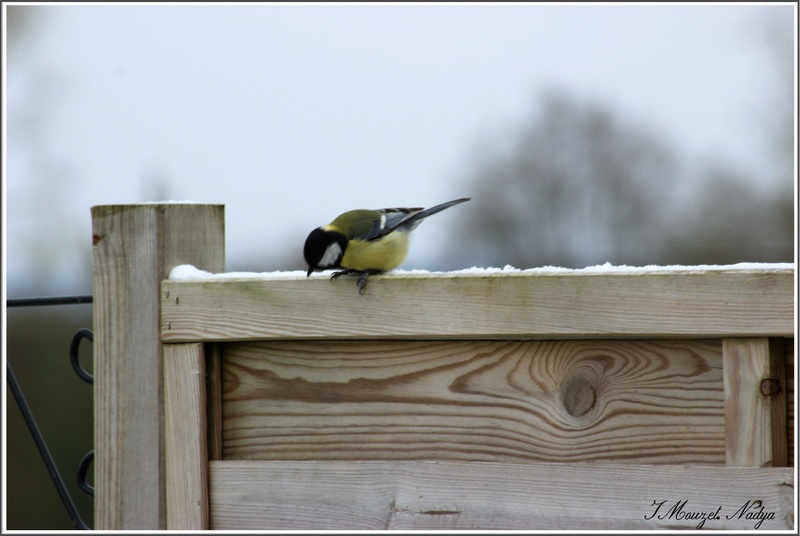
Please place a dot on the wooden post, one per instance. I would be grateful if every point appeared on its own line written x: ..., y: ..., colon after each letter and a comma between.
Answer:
x: 135, y: 247
x: 754, y: 375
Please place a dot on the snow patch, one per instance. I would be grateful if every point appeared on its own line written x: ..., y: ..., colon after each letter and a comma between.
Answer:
x: 187, y: 272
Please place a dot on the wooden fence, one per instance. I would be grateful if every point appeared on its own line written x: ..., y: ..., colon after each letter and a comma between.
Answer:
x: 570, y: 400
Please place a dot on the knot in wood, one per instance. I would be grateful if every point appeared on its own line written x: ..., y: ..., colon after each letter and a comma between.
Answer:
x: 579, y: 396
x: 770, y: 387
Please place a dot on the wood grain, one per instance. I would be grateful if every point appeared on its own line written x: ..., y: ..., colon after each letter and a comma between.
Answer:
x: 347, y: 495
x: 185, y: 433
x: 790, y: 390
x: 639, y: 401
x: 755, y: 422
x: 135, y: 247
x: 650, y: 305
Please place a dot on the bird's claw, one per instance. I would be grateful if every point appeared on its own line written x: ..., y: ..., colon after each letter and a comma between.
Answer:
x: 362, y: 279
x: 340, y: 273
x: 362, y: 282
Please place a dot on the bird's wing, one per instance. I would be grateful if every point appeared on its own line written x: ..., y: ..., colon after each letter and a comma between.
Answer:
x: 389, y: 220
x: 374, y: 224
x: 371, y: 224
x: 407, y: 219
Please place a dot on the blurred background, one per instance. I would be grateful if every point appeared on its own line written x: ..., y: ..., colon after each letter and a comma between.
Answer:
x: 585, y: 134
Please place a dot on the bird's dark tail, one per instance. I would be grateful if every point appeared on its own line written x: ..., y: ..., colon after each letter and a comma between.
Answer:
x: 414, y: 220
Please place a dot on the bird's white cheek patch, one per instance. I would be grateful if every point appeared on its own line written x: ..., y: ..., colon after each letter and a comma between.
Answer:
x: 332, y: 253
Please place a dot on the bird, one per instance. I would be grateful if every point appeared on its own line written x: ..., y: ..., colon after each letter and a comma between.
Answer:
x: 366, y: 242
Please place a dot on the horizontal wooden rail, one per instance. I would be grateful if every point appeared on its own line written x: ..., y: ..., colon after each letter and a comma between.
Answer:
x: 658, y: 304
x: 428, y: 495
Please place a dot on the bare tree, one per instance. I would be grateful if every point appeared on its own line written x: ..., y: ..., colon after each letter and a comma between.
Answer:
x: 577, y: 186
x: 731, y: 219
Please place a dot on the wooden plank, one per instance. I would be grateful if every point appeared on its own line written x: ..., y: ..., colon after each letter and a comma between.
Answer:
x: 638, y: 401
x: 503, y: 305
x: 790, y: 388
x: 342, y: 495
x: 135, y: 247
x: 185, y: 432
x: 214, y: 375
x: 775, y: 391
x: 754, y: 372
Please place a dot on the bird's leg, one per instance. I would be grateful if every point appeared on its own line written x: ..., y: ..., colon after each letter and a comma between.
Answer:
x: 362, y: 280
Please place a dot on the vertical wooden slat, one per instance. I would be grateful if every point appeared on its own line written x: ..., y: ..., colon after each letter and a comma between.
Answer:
x: 214, y: 390
x: 777, y: 401
x: 790, y: 387
x: 754, y: 376
x: 186, y: 460
x: 135, y: 247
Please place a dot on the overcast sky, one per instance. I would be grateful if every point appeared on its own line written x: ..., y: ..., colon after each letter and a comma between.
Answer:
x: 291, y: 114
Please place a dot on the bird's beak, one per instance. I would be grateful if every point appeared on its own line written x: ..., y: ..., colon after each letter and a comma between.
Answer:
x: 310, y: 269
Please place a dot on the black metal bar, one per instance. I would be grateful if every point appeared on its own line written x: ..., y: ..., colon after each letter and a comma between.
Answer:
x: 43, y: 450
x: 59, y: 300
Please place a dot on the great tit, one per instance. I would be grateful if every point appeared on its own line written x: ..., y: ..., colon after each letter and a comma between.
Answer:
x: 366, y: 242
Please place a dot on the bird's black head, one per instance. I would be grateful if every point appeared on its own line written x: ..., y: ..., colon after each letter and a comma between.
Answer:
x: 324, y: 249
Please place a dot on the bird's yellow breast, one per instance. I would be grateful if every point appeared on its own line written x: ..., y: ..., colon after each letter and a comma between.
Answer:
x: 382, y: 254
